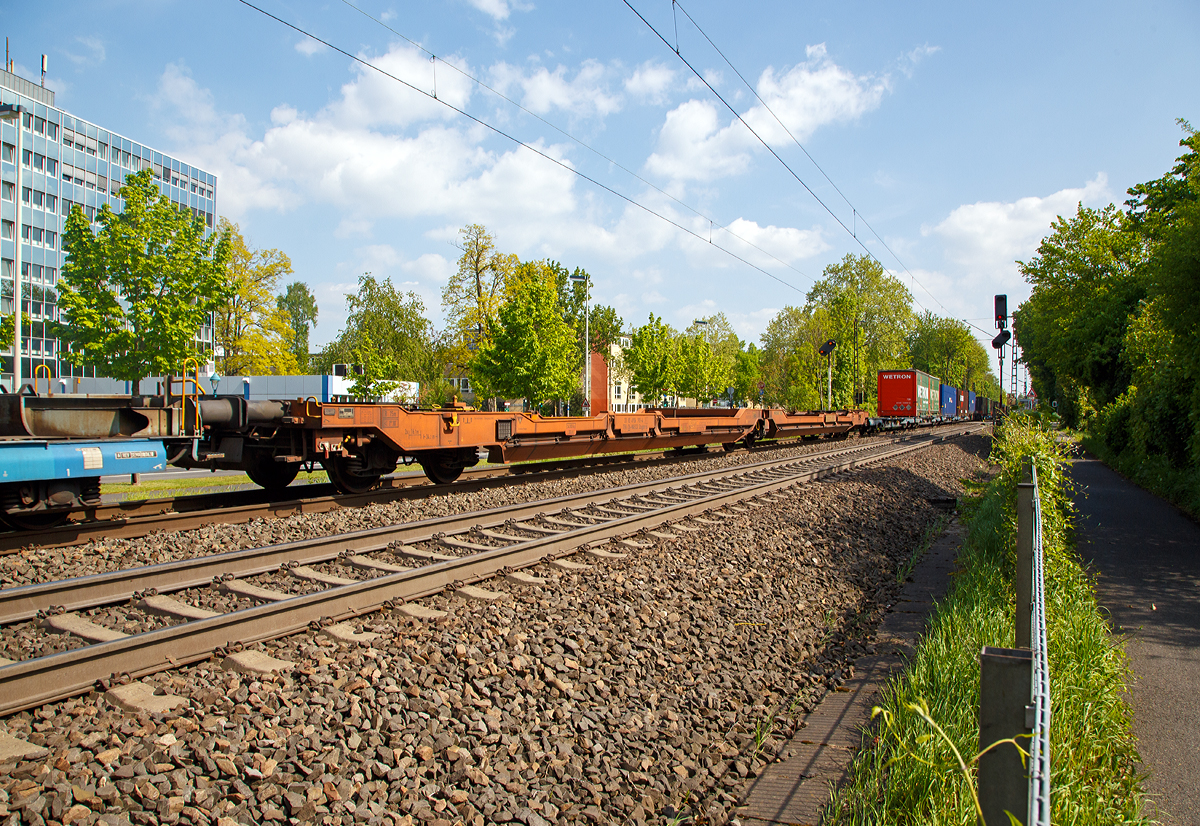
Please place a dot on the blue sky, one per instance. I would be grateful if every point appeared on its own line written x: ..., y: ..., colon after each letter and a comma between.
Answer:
x: 958, y: 131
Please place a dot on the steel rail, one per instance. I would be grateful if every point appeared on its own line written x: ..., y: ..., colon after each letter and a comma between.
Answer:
x: 30, y: 683
x: 26, y: 601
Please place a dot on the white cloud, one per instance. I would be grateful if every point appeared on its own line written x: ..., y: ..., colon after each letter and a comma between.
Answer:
x: 584, y: 95
x: 309, y: 47
x: 787, y: 244
x: 431, y: 268
x: 496, y: 9
x: 813, y: 94
x: 650, y: 82
x: 93, y: 52
x: 694, y: 145
x: 351, y: 226
x: 986, y: 238
x: 909, y: 60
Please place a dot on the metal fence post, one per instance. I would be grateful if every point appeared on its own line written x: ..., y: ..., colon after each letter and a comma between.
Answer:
x: 1004, y: 680
x: 1023, y: 576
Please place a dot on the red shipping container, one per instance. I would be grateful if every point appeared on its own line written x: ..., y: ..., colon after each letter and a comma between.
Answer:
x: 907, y: 394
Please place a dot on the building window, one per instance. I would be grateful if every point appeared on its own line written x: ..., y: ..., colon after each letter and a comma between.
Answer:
x: 26, y: 231
x: 27, y: 120
x: 616, y: 391
x: 51, y: 166
x: 104, y: 150
x: 7, y: 228
x: 9, y: 152
x: 26, y: 194
x: 26, y: 158
x: 39, y: 198
x: 7, y: 191
x: 6, y: 268
x: 66, y: 206
x: 51, y: 239
x: 39, y: 125
x: 51, y: 202
x: 52, y: 131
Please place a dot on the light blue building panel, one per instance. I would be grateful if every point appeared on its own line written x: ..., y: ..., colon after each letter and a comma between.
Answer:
x: 67, y: 161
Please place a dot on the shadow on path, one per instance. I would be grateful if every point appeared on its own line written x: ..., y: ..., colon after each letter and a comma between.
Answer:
x: 1147, y: 557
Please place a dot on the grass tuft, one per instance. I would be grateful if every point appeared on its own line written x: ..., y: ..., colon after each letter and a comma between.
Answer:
x: 918, y: 767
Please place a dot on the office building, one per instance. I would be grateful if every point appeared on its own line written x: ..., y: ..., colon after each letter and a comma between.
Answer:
x: 65, y: 161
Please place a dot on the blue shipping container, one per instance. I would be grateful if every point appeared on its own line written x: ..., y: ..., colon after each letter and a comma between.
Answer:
x: 970, y: 403
x: 24, y: 461
x: 949, y: 401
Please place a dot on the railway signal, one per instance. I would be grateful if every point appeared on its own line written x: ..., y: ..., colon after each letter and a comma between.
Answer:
x: 826, y: 350
x: 1001, y: 312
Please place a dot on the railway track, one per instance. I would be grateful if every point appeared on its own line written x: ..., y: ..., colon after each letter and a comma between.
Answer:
x: 213, y: 605
x: 132, y: 519
x: 141, y: 517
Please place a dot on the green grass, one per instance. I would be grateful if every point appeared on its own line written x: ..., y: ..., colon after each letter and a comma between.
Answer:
x: 151, y: 488
x: 909, y: 773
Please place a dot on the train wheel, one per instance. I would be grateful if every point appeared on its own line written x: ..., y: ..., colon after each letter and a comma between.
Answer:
x: 35, y: 520
x: 346, y: 476
x: 440, y: 471
x: 265, y: 472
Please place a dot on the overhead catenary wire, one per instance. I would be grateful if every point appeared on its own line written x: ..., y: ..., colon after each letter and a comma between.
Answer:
x: 483, y: 85
x: 853, y: 234
x: 368, y: 64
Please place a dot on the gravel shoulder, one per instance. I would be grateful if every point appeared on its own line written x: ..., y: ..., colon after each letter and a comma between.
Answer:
x: 630, y: 692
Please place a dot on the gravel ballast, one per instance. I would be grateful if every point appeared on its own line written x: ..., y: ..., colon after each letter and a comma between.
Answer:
x: 627, y: 692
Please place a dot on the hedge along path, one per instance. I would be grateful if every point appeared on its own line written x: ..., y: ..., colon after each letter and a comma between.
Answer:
x: 911, y: 775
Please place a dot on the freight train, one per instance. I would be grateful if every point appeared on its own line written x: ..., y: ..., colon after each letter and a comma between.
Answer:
x: 55, y: 448
x: 911, y: 397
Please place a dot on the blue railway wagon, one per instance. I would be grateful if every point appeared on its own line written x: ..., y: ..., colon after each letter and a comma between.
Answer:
x: 949, y: 402
x: 971, y: 400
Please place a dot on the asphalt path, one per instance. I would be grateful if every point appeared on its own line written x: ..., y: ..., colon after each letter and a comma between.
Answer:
x: 1147, y: 555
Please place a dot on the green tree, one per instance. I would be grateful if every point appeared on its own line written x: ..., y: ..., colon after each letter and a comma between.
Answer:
x: 747, y: 373
x: 651, y: 360
x: 793, y: 369
x: 473, y: 295
x: 252, y: 332
x: 723, y: 346
x: 945, y: 347
x: 1086, y: 285
x: 529, y: 351
x: 134, y: 294
x: 301, y: 307
x: 605, y: 329
x: 377, y: 370
x: 871, y: 313
x: 392, y: 322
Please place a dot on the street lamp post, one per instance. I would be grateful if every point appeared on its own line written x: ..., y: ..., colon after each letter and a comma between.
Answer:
x: 701, y: 322
x: 13, y: 112
x: 587, y: 339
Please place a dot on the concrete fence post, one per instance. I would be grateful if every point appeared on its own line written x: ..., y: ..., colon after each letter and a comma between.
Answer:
x: 1023, y: 576
x: 1005, y: 676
